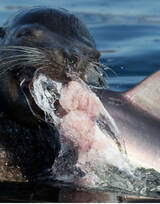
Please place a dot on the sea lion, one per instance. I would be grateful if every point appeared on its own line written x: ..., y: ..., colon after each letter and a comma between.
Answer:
x: 47, y: 39
x: 40, y: 37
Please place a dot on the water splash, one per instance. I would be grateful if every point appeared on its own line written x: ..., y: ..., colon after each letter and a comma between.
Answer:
x: 91, y: 154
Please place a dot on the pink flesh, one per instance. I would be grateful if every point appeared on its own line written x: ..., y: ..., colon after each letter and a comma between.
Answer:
x: 78, y: 124
x: 95, y: 149
x: 77, y: 96
x: 80, y: 127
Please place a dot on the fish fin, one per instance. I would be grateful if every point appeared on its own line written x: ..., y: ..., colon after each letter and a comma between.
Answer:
x: 146, y: 94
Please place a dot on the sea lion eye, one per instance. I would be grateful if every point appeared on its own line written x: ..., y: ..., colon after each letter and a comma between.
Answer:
x: 24, y: 33
x: 2, y: 32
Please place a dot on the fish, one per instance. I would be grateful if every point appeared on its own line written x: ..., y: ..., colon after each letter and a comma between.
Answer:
x: 109, y: 140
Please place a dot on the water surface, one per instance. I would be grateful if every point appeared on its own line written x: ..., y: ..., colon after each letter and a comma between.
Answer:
x: 127, y: 33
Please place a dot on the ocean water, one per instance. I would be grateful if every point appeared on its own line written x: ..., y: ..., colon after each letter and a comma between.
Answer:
x: 127, y: 33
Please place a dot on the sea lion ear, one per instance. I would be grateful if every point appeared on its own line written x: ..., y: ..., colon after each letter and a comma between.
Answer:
x: 2, y: 32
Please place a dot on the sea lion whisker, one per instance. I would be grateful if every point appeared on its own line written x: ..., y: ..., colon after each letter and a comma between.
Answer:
x: 37, y: 54
x: 16, y: 47
x: 110, y: 69
x: 29, y: 56
x: 99, y: 72
x: 10, y: 61
x: 97, y: 66
x: 20, y: 49
x: 104, y: 67
x: 101, y: 68
x: 27, y: 61
x: 94, y: 62
x: 20, y: 59
x: 2, y: 71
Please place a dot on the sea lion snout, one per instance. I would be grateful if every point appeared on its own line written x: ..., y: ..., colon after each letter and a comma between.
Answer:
x: 61, y: 62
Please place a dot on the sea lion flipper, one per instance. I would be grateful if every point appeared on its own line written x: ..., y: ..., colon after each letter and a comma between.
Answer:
x: 146, y: 95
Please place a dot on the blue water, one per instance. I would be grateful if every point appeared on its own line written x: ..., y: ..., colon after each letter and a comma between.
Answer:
x: 127, y: 33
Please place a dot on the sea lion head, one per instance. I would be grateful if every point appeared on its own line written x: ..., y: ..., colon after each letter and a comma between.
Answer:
x: 42, y: 38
